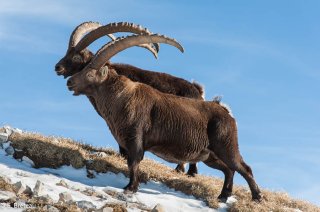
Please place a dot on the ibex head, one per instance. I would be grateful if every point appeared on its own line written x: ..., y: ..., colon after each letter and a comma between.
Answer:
x: 77, y: 56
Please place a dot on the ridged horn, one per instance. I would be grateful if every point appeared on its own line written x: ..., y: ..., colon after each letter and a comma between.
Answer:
x: 114, y: 47
x: 113, y: 28
x: 80, y: 30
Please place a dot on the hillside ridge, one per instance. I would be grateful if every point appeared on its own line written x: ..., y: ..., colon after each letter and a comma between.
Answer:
x: 55, y: 152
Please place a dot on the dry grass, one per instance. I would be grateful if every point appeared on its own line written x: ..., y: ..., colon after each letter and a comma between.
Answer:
x: 55, y: 152
x: 5, y: 186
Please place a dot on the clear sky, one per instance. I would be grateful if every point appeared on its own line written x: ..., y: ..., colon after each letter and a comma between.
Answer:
x: 261, y: 56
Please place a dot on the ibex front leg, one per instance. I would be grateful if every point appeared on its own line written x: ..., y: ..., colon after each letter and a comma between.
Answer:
x: 135, y: 155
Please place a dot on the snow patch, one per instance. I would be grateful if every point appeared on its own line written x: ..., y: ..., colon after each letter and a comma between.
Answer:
x: 103, y: 185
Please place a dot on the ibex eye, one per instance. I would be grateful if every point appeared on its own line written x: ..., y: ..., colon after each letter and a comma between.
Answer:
x: 77, y: 58
x: 89, y: 75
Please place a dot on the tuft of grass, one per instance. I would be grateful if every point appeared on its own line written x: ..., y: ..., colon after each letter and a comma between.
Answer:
x: 5, y: 186
x: 53, y: 152
x: 49, y: 151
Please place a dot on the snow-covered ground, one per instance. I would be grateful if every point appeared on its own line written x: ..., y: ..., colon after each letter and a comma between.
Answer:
x: 106, y: 187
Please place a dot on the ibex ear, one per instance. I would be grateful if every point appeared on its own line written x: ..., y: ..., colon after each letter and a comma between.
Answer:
x: 104, y: 71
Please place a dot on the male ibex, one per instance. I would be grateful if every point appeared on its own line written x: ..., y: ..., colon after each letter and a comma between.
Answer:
x: 174, y: 128
x: 78, y: 56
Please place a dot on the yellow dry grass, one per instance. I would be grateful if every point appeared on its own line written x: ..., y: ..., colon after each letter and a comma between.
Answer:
x: 56, y: 151
x: 5, y: 186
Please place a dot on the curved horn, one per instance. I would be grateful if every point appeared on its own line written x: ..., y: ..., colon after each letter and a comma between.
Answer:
x: 113, y: 28
x: 80, y: 30
x: 113, y: 47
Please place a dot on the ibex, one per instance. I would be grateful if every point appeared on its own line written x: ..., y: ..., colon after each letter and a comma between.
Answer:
x: 78, y: 56
x: 174, y: 128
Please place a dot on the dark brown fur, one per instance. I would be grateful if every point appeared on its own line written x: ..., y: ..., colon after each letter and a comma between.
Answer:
x: 174, y: 128
x: 73, y: 62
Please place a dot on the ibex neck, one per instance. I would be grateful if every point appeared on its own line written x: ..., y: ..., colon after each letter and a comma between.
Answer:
x: 114, y: 92
x: 112, y: 100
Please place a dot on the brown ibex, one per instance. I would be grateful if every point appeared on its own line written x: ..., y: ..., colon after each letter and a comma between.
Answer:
x: 78, y: 56
x: 174, y: 128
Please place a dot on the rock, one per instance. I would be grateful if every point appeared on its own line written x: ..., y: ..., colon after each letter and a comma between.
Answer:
x: 101, y: 154
x: 28, y: 160
x: 9, y: 150
x: 158, y: 208
x: 28, y: 191
x: 85, y: 205
x: 18, y: 154
x: 90, y: 174
x: 4, y: 137
x: 6, y: 145
x: 38, y: 189
x: 12, y: 130
x: 19, y: 188
x: 65, y: 197
x: 8, y: 130
x: 45, y: 199
x: 89, y: 192
x: 7, y: 195
x: 55, y: 141
x: 106, y: 209
x: 50, y: 208
x: 62, y: 183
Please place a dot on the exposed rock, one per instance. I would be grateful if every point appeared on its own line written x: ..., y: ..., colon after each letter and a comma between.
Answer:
x: 46, y: 199
x: 22, y: 174
x: 7, y: 195
x: 19, y: 188
x: 18, y: 154
x: 106, y: 209
x: 50, y: 208
x: 101, y: 154
x: 3, y: 137
x: 9, y: 150
x: 38, y: 189
x: 28, y: 191
x: 5, y: 145
x: 28, y: 160
x: 122, y: 197
x: 55, y: 141
x: 90, y: 174
x: 158, y: 208
x: 85, y: 205
x: 8, y: 130
x: 109, y: 207
x: 65, y: 197
x: 89, y: 192
x: 62, y: 183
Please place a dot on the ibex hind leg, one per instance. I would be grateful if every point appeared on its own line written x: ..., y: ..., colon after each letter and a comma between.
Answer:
x: 246, y: 172
x: 214, y: 162
x: 234, y: 161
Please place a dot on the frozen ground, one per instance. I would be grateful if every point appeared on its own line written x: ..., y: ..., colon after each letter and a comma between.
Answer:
x: 106, y: 187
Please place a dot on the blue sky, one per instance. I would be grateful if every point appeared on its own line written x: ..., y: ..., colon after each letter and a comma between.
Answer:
x: 261, y: 56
